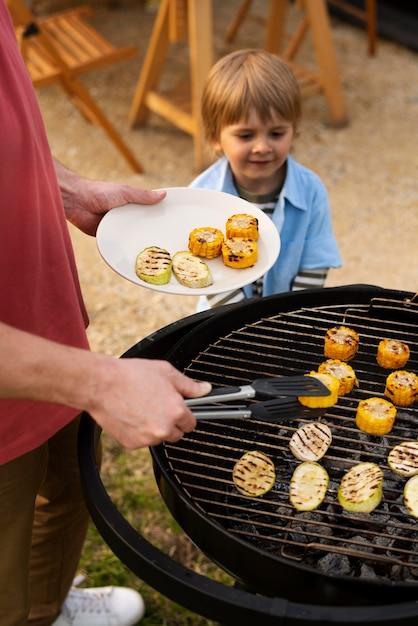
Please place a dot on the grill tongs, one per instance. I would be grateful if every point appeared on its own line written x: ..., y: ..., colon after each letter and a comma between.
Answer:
x: 270, y: 410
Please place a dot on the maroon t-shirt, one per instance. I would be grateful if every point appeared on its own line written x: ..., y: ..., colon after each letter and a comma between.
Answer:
x: 39, y: 288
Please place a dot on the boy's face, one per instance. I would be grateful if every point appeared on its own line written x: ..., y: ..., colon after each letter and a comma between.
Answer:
x: 257, y: 151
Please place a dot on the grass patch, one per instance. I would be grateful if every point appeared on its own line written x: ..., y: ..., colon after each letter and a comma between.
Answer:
x: 129, y: 480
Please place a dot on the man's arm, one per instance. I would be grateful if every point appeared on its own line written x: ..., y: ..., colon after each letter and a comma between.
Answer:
x: 139, y: 402
x: 86, y: 201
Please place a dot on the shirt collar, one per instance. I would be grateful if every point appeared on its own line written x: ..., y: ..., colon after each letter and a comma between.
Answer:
x: 291, y: 188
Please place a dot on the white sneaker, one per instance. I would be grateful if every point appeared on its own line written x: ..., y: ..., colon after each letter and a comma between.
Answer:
x: 101, y: 606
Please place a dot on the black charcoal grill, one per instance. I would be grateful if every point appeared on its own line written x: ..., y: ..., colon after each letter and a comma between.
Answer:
x: 292, y: 568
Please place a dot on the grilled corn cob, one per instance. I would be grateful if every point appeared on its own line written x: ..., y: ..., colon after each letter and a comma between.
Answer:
x: 308, y: 486
x: 361, y: 488
x: 254, y: 474
x: 206, y: 242
x: 191, y: 271
x: 311, y: 441
x: 341, y: 343
x: 242, y: 225
x: 410, y: 495
x: 402, y: 388
x: 392, y: 354
x: 322, y: 401
x: 153, y: 265
x: 346, y: 375
x: 239, y: 252
x: 403, y: 458
x: 375, y: 416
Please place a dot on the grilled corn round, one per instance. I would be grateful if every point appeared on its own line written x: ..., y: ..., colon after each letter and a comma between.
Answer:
x: 392, y: 354
x: 341, y: 343
x: 402, y: 388
x: 242, y: 225
x: 239, y: 252
x: 375, y: 416
x: 206, y: 242
x: 346, y: 375
x: 322, y: 401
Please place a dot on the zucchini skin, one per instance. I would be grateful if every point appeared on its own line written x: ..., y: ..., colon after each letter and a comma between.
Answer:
x: 254, y: 474
x: 410, y: 496
x: 308, y: 486
x: 191, y: 271
x: 361, y: 488
x: 146, y: 265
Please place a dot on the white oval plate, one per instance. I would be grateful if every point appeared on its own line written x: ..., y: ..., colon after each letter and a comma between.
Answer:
x: 125, y: 231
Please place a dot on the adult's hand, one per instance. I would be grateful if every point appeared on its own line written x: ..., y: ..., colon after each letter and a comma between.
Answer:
x: 86, y: 201
x: 140, y: 402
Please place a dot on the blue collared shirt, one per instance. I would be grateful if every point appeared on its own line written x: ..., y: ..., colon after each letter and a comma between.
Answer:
x: 307, y: 238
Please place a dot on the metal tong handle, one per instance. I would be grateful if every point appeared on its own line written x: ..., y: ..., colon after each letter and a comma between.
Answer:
x: 224, y: 394
x: 219, y: 414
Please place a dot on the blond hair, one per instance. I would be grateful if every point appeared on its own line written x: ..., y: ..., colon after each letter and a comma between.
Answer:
x: 248, y: 80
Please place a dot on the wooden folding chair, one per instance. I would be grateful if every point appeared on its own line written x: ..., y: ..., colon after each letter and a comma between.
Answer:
x: 60, y: 47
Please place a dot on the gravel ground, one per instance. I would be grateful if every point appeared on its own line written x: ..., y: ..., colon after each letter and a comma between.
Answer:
x: 369, y: 167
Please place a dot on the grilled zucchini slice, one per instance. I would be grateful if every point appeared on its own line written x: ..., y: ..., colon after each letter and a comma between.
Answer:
x: 311, y: 441
x: 206, y: 242
x: 254, y: 474
x: 322, y: 401
x: 392, y: 354
x: 361, y: 488
x: 242, y: 225
x: 402, y: 388
x: 308, y: 486
x: 239, y: 252
x: 346, y: 375
x: 375, y: 416
x: 191, y: 271
x: 410, y: 496
x: 153, y: 265
x: 341, y: 343
x: 403, y: 458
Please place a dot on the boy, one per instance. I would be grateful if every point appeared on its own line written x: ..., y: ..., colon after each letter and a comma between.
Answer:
x: 250, y: 110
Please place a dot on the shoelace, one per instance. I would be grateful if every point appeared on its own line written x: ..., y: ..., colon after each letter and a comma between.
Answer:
x: 80, y: 601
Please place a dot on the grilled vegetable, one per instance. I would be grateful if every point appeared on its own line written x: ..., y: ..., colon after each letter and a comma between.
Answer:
x: 308, y: 486
x: 191, y: 271
x: 410, y: 495
x: 311, y: 441
x: 153, y: 265
x: 322, y: 401
x: 375, y: 416
x: 361, y: 488
x: 239, y: 252
x: 206, y: 242
x: 254, y: 474
x: 346, y: 375
x: 341, y: 343
x: 392, y: 354
x: 242, y: 225
x: 402, y: 388
x: 403, y: 458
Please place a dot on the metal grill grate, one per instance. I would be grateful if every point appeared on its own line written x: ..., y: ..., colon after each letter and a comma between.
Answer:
x: 383, y: 543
